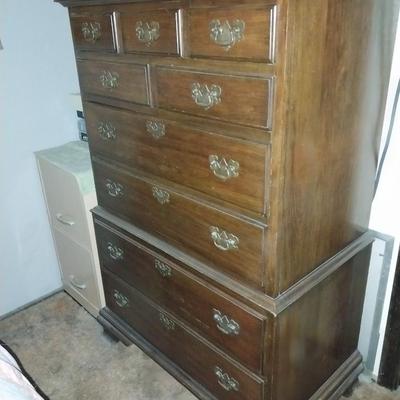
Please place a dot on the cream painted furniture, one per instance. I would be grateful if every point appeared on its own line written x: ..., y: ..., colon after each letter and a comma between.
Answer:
x: 68, y: 186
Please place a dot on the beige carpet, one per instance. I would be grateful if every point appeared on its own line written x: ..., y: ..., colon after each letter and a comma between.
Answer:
x: 65, y: 351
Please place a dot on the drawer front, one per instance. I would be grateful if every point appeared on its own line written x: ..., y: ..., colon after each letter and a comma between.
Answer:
x: 65, y: 202
x: 93, y: 32
x: 150, y: 32
x: 240, y: 99
x: 127, y: 82
x: 210, y: 368
x: 77, y: 269
x: 238, y: 33
x: 211, y: 313
x: 228, y: 243
x: 226, y: 168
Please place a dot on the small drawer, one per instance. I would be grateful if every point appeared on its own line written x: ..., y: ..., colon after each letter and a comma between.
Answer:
x: 189, y: 351
x: 246, y: 33
x: 150, y: 32
x: 127, y: 82
x: 93, y: 31
x: 231, y: 244
x: 210, y: 312
x: 241, y: 99
x: 226, y: 168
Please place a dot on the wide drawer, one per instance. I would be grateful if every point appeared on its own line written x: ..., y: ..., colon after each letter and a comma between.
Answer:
x: 245, y: 100
x: 226, y: 168
x: 223, y: 378
x: 153, y: 31
x: 228, y: 243
x: 233, y: 33
x: 212, y: 313
x: 93, y: 30
x: 123, y: 81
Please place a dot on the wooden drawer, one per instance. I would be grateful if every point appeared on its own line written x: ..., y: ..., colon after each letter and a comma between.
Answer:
x: 93, y: 31
x: 212, y: 313
x: 226, y: 168
x: 122, y: 81
x: 240, y: 99
x: 223, y: 378
x: 229, y: 243
x: 151, y: 31
x: 234, y: 32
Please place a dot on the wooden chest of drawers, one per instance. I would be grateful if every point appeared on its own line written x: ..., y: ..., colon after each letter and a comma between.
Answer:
x: 231, y: 148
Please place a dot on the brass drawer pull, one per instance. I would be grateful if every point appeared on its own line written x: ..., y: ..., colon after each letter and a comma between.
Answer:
x: 222, y: 168
x: 162, y: 196
x: 106, y: 130
x: 164, y: 269
x: 223, y: 240
x: 109, y: 80
x: 114, y: 189
x: 227, y: 382
x: 226, y: 325
x: 156, y: 129
x: 121, y: 300
x: 115, y: 252
x: 226, y: 34
x: 147, y: 32
x: 168, y: 324
x: 205, y: 96
x: 91, y: 31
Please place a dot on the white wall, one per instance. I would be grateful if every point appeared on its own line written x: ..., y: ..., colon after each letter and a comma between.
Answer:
x: 385, y: 215
x: 37, y: 74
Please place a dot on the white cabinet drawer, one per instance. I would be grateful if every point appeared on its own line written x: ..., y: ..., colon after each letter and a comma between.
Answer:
x: 65, y: 203
x: 77, y: 270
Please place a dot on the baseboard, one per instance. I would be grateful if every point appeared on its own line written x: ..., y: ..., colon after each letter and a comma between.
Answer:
x: 31, y: 303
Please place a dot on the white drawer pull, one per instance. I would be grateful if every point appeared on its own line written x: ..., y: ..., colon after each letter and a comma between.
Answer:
x: 64, y: 220
x: 80, y: 286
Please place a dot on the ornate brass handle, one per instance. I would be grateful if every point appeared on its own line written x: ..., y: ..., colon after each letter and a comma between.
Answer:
x: 205, y: 96
x: 109, y: 80
x: 162, y: 196
x: 91, y: 31
x: 222, y: 168
x: 115, y: 252
x: 121, y: 300
x: 225, y: 324
x: 168, y: 324
x: 114, y: 189
x: 223, y: 240
x: 155, y: 128
x: 107, y: 130
x: 164, y: 269
x: 226, y: 34
x: 147, y: 32
x: 227, y: 382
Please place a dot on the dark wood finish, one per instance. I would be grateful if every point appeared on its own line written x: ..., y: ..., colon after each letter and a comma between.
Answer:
x: 301, y: 101
x: 316, y: 334
x: 166, y: 43
x: 184, y: 222
x: 258, y: 39
x: 244, y: 100
x: 327, y: 141
x: 182, y: 155
x: 389, y: 369
x: 187, y: 297
x: 106, y: 40
x: 132, y: 80
x: 188, y: 350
